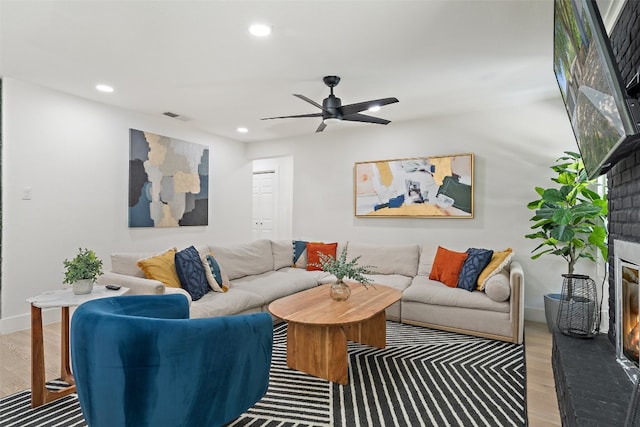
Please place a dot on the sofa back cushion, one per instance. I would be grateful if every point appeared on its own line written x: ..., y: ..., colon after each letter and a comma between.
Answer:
x: 244, y: 259
x: 126, y: 262
x: 282, y: 253
x: 427, y: 255
x: 387, y: 259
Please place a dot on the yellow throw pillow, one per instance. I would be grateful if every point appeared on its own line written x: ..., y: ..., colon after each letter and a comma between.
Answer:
x: 499, y: 261
x: 161, y: 268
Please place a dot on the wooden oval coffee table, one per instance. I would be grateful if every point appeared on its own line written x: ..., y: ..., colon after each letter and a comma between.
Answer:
x: 319, y: 327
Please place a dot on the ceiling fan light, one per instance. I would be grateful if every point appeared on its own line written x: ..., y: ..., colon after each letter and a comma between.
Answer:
x: 374, y: 108
x: 260, y: 30
x: 104, y: 88
x: 331, y: 121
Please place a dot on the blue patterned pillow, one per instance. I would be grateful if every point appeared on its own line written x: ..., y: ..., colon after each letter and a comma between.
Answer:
x: 477, y: 260
x: 299, y: 254
x: 191, y: 272
x: 221, y: 280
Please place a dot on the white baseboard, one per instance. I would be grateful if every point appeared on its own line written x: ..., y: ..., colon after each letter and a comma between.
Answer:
x: 23, y: 321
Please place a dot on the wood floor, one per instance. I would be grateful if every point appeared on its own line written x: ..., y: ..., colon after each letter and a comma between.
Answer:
x: 15, y: 368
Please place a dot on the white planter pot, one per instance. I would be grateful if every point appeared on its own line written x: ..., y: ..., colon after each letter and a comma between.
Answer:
x: 82, y: 287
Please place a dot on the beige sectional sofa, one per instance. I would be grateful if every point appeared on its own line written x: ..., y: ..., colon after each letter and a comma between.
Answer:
x: 262, y: 271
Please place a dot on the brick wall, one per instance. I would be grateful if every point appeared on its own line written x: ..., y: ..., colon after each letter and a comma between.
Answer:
x: 624, y: 178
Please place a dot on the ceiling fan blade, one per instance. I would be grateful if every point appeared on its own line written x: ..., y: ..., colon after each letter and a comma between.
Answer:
x: 321, y: 127
x: 310, y: 101
x: 294, y: 117
x: 350, y: 109
x: 365, y: 118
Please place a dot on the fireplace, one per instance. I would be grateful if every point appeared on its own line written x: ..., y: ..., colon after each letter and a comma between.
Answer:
x: 627, y: 281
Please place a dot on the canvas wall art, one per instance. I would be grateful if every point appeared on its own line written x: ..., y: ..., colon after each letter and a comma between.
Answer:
x: 168, y: 181
x: 422, y: 187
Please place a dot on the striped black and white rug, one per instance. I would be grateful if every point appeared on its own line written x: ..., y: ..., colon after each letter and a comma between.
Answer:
x: 423, y: 378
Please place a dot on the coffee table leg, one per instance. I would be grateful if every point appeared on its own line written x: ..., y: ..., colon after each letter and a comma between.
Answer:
x: 372, y: 332
x: 318, y: 350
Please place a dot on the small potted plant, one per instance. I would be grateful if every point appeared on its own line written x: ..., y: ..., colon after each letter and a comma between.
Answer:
x: 342, y: 268
x: 82, y: 271
x: 570, y: 220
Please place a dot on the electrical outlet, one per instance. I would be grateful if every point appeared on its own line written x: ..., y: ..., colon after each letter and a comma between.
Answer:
x: 26, y: 193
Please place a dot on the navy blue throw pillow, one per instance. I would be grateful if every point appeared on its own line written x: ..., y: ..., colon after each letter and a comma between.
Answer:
x: 477, y: 260
x: 191, y: 272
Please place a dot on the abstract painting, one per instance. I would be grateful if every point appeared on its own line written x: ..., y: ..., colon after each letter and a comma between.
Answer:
x: 168, y: 181
x: 423, y: 187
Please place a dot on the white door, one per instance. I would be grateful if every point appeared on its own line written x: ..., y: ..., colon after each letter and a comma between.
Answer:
x: 263, y: 217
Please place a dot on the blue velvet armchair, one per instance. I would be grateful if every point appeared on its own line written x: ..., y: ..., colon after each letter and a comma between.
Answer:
x: 140, y: 361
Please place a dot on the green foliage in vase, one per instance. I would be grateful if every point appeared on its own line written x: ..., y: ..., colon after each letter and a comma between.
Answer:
x: 570, y: 217
x: 86, y: 265
x: 342, y: 268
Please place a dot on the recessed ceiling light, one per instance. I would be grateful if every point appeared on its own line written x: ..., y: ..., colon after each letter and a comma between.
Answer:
x: 242, y: 130
x: 104, y: 88
x: 260, y: 30
x: 374, y: 108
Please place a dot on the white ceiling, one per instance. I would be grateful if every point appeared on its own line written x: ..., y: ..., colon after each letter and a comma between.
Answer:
x: 197, y: 59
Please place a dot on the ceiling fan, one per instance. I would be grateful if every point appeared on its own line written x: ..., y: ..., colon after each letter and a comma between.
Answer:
x: 333, y: 110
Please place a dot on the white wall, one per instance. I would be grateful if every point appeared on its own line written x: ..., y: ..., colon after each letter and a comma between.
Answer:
x: 513, y: 150
x: 74, y: 155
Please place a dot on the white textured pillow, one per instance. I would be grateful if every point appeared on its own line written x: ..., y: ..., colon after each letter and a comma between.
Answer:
x: 498, y: 287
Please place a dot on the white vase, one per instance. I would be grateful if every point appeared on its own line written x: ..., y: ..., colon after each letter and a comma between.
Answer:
x: 81, y: 287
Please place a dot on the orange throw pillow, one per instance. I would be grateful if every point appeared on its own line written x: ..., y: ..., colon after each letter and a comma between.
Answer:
x: 447, y: 266
x: 312, y: 253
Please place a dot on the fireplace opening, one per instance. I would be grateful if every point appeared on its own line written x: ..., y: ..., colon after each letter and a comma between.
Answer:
x: 627, y: 306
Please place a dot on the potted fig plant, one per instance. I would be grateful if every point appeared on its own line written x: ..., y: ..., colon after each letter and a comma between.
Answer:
x: 341, y: 268
x: 570, y: 220
x: 82, y: 271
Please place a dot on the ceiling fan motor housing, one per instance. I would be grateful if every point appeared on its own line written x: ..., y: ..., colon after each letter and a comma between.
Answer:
x: 331, y: 106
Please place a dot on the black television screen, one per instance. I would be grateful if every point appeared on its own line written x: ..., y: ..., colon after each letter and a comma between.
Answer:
x: 600, y: 111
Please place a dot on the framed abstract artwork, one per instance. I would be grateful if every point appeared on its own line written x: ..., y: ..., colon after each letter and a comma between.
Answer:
x: 168, y: 181
x: 419, y: 187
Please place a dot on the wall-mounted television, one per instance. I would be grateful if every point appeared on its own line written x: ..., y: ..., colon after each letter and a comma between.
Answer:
x: 604, y: 118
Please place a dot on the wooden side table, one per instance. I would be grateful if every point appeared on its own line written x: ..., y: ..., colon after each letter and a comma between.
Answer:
x: 63, y: 298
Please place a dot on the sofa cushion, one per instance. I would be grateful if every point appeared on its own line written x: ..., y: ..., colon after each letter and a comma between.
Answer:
x: 447, y: 265
x: 127, y: 262
x: 499, y: 260
x: 498, y: 287
x: 313, y: 253
x: 162, y: 268
x: 244, y: 259
x: 427, y: 255
x: 275, y: 284
x: 395, y: 281
x: 427, y: 291
x: 386, y: 259
x: 477, y: 260
x: 235, y: 301
x: 191, y: 272
x: 282, y: 250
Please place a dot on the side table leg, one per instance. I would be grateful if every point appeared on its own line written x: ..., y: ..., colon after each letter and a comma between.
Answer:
x: 38, y: 389
x: 65, y: 366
